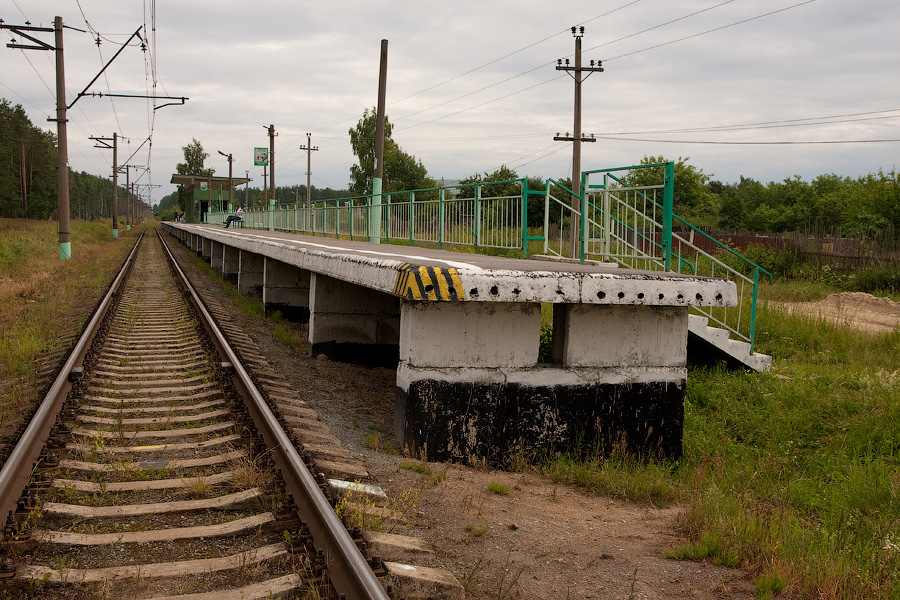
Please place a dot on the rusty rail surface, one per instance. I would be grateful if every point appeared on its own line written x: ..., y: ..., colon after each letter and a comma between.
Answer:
x: 18, y: 467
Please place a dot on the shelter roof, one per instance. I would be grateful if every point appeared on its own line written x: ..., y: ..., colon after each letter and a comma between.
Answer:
x: 190, y: 182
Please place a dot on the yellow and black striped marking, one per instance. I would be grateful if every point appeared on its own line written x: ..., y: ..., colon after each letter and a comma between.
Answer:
x: 428, y: 283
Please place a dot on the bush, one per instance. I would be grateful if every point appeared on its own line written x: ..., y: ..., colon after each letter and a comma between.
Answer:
x: 883, y: 279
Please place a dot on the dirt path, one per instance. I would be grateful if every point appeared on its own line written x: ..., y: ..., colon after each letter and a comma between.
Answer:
x: 851, y: 309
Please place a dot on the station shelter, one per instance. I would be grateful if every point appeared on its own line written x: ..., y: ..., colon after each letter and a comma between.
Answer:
x: 208, y: 192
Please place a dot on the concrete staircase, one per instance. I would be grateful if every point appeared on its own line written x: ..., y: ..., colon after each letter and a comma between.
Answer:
x: 713, y: 342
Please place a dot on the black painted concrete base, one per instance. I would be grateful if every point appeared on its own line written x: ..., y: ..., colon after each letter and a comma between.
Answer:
x: 458, y: 421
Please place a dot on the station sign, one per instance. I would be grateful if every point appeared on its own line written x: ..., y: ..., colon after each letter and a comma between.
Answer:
x: 260, y: 157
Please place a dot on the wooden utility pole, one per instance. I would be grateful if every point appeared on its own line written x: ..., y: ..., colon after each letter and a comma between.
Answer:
x: 272, y: 135
x: 375, y: 208
x: 247, y: 192
x: 265, y: 190
x: 309, y: 150
x: 577, y: 137
x: 115, y: 196
x: 103, y: 141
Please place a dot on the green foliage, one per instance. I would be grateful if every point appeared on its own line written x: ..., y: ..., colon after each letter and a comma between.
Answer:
x: 401, y: 171
x: 863, y: 207
x: 769, y: 586
x: 498, y: 488
x: 194, y: 159
x: 28, y: 187
x: 708, y: 546
x: 693, y: 201
x: 881, y: 280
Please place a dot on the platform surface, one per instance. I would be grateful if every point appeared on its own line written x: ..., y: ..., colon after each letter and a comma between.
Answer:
x: 416, y: 273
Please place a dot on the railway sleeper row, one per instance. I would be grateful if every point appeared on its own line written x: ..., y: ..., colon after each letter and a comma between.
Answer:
x: 340, y: 474
x: 155, y: 483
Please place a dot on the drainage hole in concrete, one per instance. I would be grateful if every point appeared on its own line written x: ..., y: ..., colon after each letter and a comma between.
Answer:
x: 429, y: 289
x: 699, y: 297
x: 601, y: 295
x: 494, y: 290
x: 641, y: 296
x: 662, y: 296
x: 718, y: 297
x: 517, y: 291
x: 473, y: 292
x: 680, y: 297
x: 621, y: 295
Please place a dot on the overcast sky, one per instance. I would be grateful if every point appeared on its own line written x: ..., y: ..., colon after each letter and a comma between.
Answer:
x: 739, y: 86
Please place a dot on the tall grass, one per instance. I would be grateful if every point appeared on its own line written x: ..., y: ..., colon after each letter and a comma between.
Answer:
x: 45, y: 301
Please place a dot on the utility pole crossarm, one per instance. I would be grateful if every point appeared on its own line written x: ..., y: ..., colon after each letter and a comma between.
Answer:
x: 19, y: 29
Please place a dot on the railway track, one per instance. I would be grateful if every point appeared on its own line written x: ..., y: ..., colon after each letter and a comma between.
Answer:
x: 156, y: 468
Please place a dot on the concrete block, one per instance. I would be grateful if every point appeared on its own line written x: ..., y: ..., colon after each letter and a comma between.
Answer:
x: 463, y: 334
x: 342, y: 313
x: 421, y: 583
x: 216, y: 250
x: 286, y: 288
x: 231, y: 262
x: 250, y: 274
x: 600, y: 335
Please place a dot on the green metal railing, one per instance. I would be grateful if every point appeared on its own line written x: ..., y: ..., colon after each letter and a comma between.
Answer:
x: 617, y: 220
x: 635, y: 226
x: 482, y: 215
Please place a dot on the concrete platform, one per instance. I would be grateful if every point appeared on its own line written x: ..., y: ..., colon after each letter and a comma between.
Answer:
x: 464, y: 331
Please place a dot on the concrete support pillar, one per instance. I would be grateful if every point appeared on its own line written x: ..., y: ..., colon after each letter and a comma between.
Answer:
x: 286, y: 289
x: 215, y: 255
x: 250, y: 274
x: 481, y: 392
x: 231, y: 263
x: 206, y: 248
x: 353, y: 323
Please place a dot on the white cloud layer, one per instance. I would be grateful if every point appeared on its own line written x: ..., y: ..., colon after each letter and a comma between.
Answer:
x: 472, y: 84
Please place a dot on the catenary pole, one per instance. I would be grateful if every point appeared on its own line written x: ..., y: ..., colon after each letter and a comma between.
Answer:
x: 62, y: 152
x: 115, y: 214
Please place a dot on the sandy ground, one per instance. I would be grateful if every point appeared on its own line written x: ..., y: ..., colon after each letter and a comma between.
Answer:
x: 540, y: 541
x: 852, y: 309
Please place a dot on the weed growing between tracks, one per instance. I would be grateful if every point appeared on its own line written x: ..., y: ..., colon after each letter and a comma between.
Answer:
x: 793, y: 475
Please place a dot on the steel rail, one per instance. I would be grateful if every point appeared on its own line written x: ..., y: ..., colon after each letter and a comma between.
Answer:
x: 350, y: 574
x: 18, y: 467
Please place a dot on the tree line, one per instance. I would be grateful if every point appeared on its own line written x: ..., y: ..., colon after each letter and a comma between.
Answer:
x: 28, y: 174
x: 859, y: 207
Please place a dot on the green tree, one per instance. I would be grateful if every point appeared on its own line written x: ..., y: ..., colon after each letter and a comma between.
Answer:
x: 194, y: 159
x: 401, y: 171
x: 693, y: 200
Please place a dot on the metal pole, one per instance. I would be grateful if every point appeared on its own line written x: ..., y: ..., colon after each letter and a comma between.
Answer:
x: 375, y: 217
x: 62, y: 153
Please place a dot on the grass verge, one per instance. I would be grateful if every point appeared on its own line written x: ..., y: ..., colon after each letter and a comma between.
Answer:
x: 46, y: 301
x: 794, y: 475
